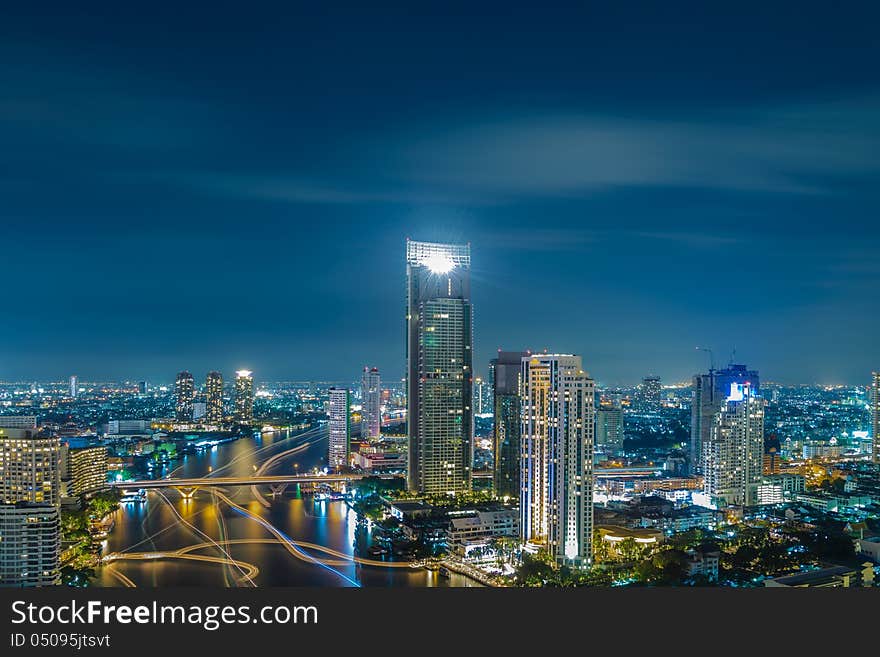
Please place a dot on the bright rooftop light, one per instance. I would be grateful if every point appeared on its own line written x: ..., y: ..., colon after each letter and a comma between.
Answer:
x: 439, y: 263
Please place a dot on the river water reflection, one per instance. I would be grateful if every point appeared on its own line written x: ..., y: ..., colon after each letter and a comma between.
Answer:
x: 167, y: 522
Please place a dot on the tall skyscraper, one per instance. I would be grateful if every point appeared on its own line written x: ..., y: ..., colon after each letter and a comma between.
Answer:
x: 874, y: 395
x: 439, y: 357
x: 339, y: 449
x: 74, y: 390
x: 214, y: 397
x: 709, y: 394
x: 609, y: 429
x: 505, y: 372
x: 651, y: 393
x: 185, y: 389
x: 733, y: 455
x: 244, y: 396
x: 30, y: 544
x: 371, y: 409
x: 142, y: 387
x: 29, y: 467
x: 556, y: 497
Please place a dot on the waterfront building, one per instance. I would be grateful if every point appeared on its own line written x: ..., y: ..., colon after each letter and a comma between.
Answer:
x: 556, y: 472
x: 339, y: 444
x: 84, y: 469
x: 439, y: 320
x: 505, y: 372
x: 186, y: 391
x: 214, y: 397
x: 29, y: 467
x: 30, y: 545
x: 244, y: 397
x: 371, y: 403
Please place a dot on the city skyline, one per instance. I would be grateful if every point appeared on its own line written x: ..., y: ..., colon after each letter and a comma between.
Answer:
x: 168, y: 207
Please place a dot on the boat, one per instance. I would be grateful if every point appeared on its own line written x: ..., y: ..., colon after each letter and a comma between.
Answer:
x: 443, y: 572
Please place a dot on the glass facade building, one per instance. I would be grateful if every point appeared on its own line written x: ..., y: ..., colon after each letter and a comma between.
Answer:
x: 505, y: 373
x: 439, y: 339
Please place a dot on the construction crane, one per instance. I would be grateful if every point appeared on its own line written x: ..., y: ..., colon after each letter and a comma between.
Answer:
x: 711, y: 357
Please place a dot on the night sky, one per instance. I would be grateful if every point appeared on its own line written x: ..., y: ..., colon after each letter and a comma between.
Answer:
x: 231, y: 185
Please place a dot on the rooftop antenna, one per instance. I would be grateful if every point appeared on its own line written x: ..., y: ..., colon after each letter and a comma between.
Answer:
x: 711, y: 357
x: 733, y: 356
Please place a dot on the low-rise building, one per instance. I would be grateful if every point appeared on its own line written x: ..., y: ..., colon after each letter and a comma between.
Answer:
x: 380, y: 460
x: 828, y: 577
x: 703, y: 561
x: 472, y: 527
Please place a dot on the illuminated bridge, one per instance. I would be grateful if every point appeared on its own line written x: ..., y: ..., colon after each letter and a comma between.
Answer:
x: 278, y: 482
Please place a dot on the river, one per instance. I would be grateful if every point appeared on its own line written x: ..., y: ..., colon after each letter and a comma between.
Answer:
x: 167, y: 522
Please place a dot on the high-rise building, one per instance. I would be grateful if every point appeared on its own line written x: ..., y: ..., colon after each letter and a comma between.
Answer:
x: 185, y: 390
x: 874, y: 395
x: 142, y: 387
x: 29, y: 467
x: 504, y: 372
x: 30, y: 544
x: 73, y: 389
x: 651, y: 393
x: 339, y: 449
x: 244, y: 396
x: 200, y: 407
x: 733, y: 455
x: 214, y: 397
x: 371, y: 408
x: 439, y: 357
x: 84, y: 469
x: 18, y: 421
x: 557, y: 436
x: 709, y: 394
x: 609, y: 429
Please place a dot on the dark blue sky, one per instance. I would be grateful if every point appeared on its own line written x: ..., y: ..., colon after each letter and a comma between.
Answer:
x: 231, y: 185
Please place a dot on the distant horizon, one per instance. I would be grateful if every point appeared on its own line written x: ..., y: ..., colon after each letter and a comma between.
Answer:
x: 169, y: 382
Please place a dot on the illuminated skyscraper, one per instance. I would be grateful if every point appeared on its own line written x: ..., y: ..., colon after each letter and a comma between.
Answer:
x: 710, y: 392
x: 733, y: 455
x: 874, y: 395
x: 339, y: 448
x: 244, y: 396
x: 651, y: 393
x: 371, y: 408
x: 505, y: 372
x: 185, y: 389
x: 557, y: 435
x: 214, y: 397
x: 29, y: 467
x: 74, y: 390
x: 439, y: 367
